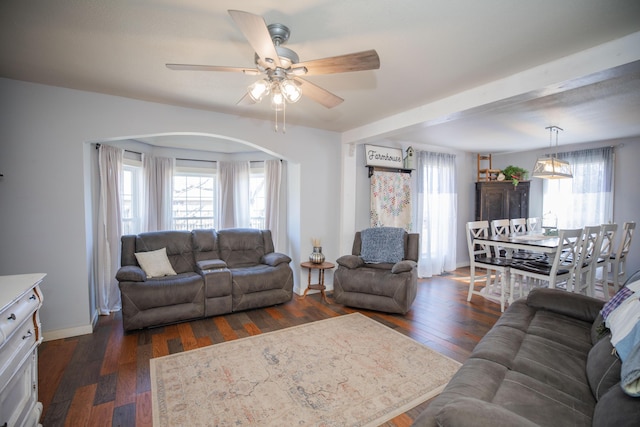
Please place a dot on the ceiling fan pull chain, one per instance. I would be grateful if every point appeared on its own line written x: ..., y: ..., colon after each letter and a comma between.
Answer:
x: 275, y: 126
x: 284, y: 116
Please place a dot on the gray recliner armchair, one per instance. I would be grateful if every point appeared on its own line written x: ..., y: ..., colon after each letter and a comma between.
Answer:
x: 389, y: 287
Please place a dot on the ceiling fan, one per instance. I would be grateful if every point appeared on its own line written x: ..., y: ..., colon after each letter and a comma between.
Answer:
x: 281, y: 66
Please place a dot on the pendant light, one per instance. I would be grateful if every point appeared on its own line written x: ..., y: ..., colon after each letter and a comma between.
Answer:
x: 551, y: 167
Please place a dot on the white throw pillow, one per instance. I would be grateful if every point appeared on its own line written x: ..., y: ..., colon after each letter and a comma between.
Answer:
x: 155, y: 263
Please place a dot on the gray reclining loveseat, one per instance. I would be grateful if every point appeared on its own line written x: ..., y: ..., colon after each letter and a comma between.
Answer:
x: 216, y: 272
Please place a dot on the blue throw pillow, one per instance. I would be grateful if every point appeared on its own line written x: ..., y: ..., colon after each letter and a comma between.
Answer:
x: 382, y: 245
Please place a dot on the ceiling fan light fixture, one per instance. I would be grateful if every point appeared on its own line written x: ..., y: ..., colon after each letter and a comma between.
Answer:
x: 291, y: 91
x: 277, y: 100
x: 551, y: 167
x: 259, y: 90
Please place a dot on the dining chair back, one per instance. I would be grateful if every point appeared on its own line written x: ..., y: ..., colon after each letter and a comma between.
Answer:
x: 500, y: 227
x: 480, y: 256
x: 534, y: 224
x: 560, y: 268
x: 585, y: 262
x: 618, y: 261
x: 518, y: 225
x: 602, y: 257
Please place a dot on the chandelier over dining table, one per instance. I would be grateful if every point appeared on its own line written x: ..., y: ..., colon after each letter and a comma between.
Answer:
x: 550, y: 167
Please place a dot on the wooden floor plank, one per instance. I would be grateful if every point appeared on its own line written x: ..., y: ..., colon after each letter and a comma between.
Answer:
x: 103, y: 379
x: 101, y: 415
x: 80, y: 409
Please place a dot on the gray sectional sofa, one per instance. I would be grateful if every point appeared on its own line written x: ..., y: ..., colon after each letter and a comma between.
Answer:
x: 547, y: 361
x: 216, y: 272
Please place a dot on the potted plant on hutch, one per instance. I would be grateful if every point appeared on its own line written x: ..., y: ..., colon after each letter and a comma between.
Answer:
x: 515, y: 174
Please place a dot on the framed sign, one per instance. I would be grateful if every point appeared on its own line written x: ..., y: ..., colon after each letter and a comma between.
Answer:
x: 383, y: 156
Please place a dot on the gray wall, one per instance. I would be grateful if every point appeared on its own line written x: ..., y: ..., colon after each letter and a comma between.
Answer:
x: 47, y: 192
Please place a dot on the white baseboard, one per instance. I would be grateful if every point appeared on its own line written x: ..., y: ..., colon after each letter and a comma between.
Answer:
x: 67, y: 333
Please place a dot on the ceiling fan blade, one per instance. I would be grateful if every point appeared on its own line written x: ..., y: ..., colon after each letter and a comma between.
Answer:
x: 318, y: 94
x: 255, y: 30
x: 191, y: 67
x: 360, y: 61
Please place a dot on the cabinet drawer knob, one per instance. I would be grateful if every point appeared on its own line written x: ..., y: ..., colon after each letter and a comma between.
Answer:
x: 12, y: 317
x: 33, y: 297
x: 28, y: 335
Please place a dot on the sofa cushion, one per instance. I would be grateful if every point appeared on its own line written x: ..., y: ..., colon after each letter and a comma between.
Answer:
x: 383, y: 245
x: 542, y: 403
x: 466, y: 411
x: 205, y: 244
x: 178, y: 244
x: 155, y: 263
x: 241, y: 247
x: 603, y: 368
x: 617, y: 409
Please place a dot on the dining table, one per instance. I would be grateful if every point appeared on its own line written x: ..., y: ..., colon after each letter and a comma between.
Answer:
x: 528, y: 241
x: 531, y: 241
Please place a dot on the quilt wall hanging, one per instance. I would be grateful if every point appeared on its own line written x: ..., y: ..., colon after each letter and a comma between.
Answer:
x: 391, y: 200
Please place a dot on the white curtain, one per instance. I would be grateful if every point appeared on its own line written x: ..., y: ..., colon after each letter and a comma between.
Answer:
x: 587, y: 198
x: 436, y: 212
x: 234, y: 194
x: 107, y: 256
x: 273, y: 196
x: 158, y: 192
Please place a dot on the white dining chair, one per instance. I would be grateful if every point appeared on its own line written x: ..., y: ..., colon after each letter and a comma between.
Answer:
x: 534, y: 224
x: 518, y: 225
x: 500, y: 227
x: 602, y: 257
x: 480, y: 256
x: 554, y: 271
x: 618, y: 261
x: 581, y: 282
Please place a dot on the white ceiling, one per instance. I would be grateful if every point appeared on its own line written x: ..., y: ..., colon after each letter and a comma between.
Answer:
x: 430, y: 50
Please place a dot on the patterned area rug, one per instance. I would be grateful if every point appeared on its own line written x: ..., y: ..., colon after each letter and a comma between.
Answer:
x: 347, y: 370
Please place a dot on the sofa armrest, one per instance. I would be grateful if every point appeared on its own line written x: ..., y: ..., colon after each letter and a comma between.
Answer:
x: 567, y: 303
x: 403, y: 266
x: 350, y: 261
x: 131, y: 273
x: 211, y: 264
x: 275, y: 258
x: 467, y: 411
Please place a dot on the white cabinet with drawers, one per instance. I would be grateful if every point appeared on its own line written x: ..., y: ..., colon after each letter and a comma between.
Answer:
x: 20, y: 335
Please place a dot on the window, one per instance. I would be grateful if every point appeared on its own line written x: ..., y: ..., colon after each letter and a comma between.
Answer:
x: 131, y: 192
x: 257, y: 195
x: 587, y: 199
x: 194, y: 198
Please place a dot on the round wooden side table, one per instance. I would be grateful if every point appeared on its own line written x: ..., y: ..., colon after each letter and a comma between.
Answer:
x: 320, y: 285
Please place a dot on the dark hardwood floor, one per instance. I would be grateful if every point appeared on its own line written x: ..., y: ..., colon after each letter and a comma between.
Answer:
x: 102, y: 379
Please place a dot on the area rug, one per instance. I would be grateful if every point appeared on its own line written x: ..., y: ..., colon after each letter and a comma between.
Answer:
x: 344, y: 371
